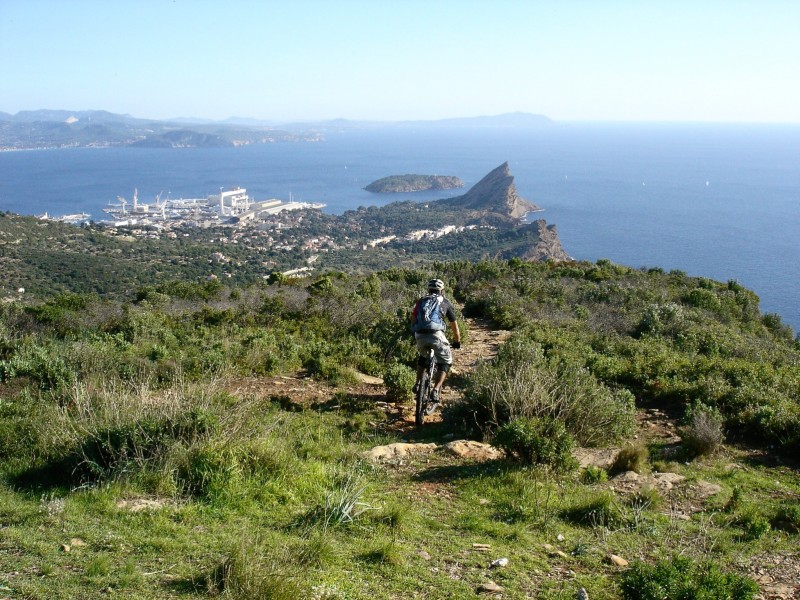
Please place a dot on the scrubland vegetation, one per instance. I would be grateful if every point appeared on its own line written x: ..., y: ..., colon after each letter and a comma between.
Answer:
x: 132, y: 466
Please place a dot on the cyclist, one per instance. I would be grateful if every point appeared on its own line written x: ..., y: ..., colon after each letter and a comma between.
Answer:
x: 428, y: 324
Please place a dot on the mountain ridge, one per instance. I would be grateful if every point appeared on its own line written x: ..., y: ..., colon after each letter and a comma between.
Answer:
x: 58, y: 128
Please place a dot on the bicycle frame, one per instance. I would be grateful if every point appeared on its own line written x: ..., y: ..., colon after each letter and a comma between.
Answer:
x: 425, y: 387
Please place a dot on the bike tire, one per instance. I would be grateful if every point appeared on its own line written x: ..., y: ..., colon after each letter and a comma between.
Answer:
x: 429, y: 406
x: 422, y: 399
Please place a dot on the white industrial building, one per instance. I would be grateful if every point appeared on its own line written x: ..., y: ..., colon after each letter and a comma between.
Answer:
x: 231, y: 203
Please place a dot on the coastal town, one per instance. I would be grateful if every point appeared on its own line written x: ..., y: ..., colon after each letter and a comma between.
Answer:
x: 262, y: 226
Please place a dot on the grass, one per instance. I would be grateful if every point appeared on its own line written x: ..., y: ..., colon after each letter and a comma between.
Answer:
x: 268, y: 502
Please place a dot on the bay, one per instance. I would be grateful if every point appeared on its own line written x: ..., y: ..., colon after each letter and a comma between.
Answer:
x: 720, y: 201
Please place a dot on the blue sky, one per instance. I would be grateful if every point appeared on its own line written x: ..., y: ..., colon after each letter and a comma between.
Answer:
x: 699, y: 60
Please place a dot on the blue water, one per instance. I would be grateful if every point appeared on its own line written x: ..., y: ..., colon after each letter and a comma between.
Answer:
x: 721, y: 201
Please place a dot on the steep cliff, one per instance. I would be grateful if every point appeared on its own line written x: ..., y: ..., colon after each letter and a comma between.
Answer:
x: 496, y: 194
x: 549, y: 245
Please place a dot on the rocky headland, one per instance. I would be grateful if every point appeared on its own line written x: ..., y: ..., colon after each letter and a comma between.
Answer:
x: 549, y: 245
x: 413, y: 183
x: 495, y: 194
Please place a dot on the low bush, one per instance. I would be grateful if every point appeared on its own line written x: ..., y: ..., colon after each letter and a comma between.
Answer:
x: 249, y: 572
x: 542, y: 440
x: 702, y: 434
x: 681, y: 578
x: 645, y: 498
x: 105, y: 452
x: 754, y: 525
x: 399, y: 379
x: 95, y: 434
x: 522, y: 382
x: 592, y: 475
x: 632, y: 457
x: 600, y: 510
x: 787, y: 518
x: 734, y: 503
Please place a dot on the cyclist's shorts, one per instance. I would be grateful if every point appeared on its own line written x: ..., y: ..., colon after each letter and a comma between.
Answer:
x: 436, y: 341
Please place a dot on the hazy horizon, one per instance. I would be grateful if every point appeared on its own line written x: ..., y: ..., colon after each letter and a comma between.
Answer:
x: 288, y: 62
x: 239, y: 119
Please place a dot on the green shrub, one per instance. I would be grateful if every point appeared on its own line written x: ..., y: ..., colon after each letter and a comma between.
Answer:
x: 773, y: 323
x: 107, y: 451
x: 787, y: 518
x: 540, y: 440
x: 104, y: 433
x: 251, y: 572
x: 43, y: 363
x: 522, y: 382
x: 399, y: 380
x: 632, y: 457
x: 734, y: 503
x: 187, y: 290
x: 342, y: 503
x: 754, y: 525
x: 600, y: 510
x: 703, y: 298
x: 330, y: 368
x: 680, y: 578
x: 663, y: 319
x: 645, y: 498
x: 702, y: 434
x: 592, y: 475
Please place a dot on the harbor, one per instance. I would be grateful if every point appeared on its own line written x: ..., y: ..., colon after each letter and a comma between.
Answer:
x: 232, y: 207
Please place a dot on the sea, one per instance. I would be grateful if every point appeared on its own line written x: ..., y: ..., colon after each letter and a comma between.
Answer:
x: 715, y: 200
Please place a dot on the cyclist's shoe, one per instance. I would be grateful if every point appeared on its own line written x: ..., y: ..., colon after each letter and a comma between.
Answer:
x: 433, y: 402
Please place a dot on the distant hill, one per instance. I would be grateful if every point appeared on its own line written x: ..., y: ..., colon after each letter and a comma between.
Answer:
x: 64, y: 128
x: 85, y: 116
x: 516, y: 120
x: 96, y: 128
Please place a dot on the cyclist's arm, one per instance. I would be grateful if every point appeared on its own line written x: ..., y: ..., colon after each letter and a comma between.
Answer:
x: 456, y: 331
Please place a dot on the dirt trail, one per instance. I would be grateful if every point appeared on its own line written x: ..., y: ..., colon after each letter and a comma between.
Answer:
x: 481, y: 345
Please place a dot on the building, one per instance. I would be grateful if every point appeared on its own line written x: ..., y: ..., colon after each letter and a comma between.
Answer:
x: 231, y: 203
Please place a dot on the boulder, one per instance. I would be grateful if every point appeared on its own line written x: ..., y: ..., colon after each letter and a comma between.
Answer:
x: 397, y: 451
x: 602, y: 458
x: 473, y: 450
x: 617, y: 561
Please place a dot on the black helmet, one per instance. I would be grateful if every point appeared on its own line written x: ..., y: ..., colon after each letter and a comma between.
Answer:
x: 436, y: 285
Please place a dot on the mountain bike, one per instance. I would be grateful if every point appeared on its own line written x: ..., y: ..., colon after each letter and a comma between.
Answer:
x: 424, y: 405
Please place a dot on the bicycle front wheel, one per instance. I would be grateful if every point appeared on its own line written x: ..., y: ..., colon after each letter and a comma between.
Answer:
x: 422, y: 398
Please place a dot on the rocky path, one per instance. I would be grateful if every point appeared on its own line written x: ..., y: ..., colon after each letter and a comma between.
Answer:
x: 481, y: 345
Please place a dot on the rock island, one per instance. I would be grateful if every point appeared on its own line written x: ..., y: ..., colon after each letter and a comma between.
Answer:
x: 413, y: 183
